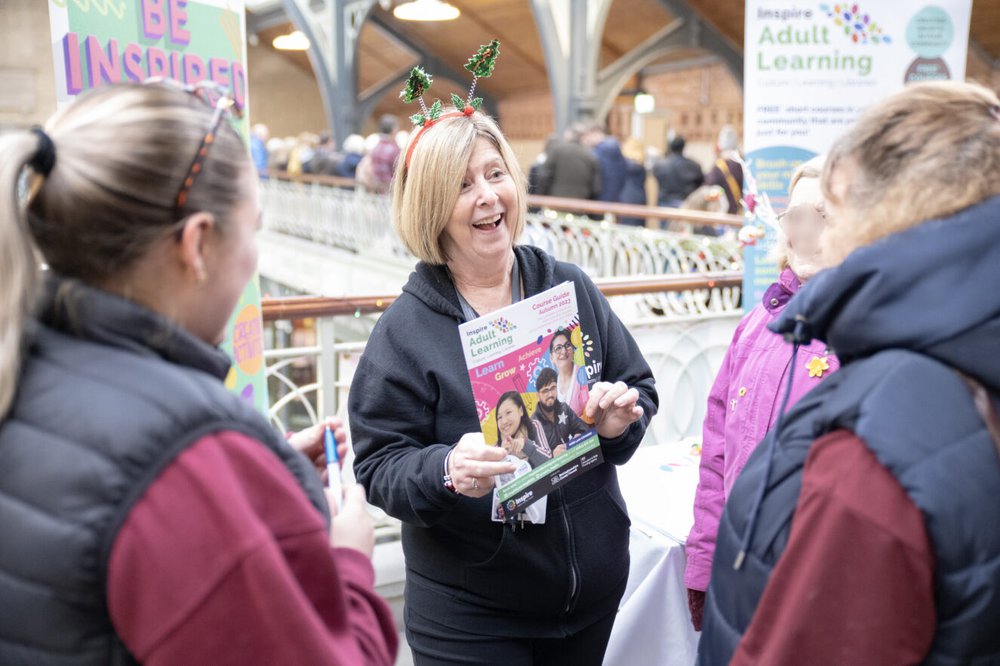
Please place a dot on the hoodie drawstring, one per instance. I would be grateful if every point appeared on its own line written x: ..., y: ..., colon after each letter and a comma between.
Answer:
x: 796, y: 337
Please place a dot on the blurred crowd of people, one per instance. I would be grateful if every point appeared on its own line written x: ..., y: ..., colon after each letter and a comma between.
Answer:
x: 370, y: 160
x: 587, y: 162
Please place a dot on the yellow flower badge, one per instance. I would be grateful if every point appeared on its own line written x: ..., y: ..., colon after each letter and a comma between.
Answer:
x: 817, y: 366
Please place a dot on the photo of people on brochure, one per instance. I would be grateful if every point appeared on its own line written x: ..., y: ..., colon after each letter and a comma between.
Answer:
x: 526, y: 365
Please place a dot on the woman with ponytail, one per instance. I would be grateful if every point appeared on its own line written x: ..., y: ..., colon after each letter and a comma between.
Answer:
x: 150, y: 515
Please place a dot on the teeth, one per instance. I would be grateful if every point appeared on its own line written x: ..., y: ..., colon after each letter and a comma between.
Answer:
x: 488, y: 221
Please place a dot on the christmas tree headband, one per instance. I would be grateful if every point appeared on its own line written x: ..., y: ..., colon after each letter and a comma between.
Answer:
x: 481, y: 65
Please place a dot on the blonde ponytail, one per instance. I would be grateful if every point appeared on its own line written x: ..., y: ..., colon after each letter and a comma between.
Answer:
x: 121, y: 154
x: 18, y: 262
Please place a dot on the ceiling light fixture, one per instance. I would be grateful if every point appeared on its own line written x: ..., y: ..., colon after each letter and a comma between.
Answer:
x: 293, y: 41
x: 644, y: 102
x: 426, y: 10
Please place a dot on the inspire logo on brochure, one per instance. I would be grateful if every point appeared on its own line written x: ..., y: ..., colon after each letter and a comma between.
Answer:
x: 527, y: 368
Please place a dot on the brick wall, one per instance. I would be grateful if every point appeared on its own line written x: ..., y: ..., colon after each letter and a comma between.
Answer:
x: 27, y: 81
x: 980, y: 70
x: 697, y: 102
x: 528, y: 116
x: 283, y: 95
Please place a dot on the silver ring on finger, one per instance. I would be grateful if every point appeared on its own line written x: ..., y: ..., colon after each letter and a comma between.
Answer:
x: 475, y: 483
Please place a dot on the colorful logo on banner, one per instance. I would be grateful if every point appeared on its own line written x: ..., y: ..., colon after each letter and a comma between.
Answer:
x: 96, y: 42
x: 856, y: 23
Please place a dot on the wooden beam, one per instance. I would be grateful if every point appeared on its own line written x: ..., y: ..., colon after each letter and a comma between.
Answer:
x: 710, y: 37
x: 493, y: 30
x: 432, y: 63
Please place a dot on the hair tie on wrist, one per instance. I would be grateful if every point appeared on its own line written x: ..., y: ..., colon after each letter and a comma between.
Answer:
x: 45, y: 156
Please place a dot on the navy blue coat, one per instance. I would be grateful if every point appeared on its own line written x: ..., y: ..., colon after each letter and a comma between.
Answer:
x: 902, y: 314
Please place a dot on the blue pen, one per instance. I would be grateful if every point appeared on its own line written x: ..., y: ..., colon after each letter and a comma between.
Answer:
x: 333, y: 480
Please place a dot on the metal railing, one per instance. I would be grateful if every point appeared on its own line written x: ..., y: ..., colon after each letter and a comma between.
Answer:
x: 724, y: 286
x: 565, y: 204
x: 683, y: 349
x: 324, y: 210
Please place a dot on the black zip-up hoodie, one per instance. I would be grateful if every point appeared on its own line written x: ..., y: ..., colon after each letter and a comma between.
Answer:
x: 411, y: 402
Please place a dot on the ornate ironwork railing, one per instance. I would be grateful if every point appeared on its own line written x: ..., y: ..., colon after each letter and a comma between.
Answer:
x: 359, y: 222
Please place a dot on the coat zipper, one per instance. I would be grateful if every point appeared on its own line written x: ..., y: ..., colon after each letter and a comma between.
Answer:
x: 571, y: 559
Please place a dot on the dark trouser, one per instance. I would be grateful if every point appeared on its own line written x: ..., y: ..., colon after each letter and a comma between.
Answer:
x: 446, y: 647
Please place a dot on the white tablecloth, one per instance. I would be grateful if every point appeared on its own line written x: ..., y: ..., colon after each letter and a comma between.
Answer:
x: 653, y: 625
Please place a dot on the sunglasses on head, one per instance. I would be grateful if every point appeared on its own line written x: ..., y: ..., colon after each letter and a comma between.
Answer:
x: 216, y: 97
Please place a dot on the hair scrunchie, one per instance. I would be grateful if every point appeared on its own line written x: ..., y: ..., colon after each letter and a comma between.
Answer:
x: 45, y: 157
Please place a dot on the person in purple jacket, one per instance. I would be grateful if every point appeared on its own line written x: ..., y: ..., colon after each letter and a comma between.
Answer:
x: 745, y: 399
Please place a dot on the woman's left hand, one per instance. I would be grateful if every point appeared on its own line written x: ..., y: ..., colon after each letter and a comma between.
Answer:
x: 310, y: 441
x: 613, y: 408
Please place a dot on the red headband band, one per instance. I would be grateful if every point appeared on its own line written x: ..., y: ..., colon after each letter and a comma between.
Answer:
x: 467, y: 111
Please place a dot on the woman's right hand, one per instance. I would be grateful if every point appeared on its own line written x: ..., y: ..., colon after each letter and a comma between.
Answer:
x: 515, y: 447
x: 310, y: 442
x: 473, y: 465
x: 352, y: 526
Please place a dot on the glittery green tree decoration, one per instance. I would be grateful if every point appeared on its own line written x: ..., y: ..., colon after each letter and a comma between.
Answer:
x: 481, y: 65
x: 435, y: 111
x: 418, y: 83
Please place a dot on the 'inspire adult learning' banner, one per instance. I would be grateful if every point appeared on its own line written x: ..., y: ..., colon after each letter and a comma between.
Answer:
x: 96, y: 42
x: 810, y: 68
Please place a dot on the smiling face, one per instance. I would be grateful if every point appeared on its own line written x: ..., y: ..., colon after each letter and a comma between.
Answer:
x: 509, y: 415
x: 478, y: 233
x: 547, y: 396
x: 562, y: 352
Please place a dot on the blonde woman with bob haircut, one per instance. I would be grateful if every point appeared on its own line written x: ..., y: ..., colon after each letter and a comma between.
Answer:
x: 864, y: 531
x: 477, y: 591
x: 421, y: 213
x: 149, y: 514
